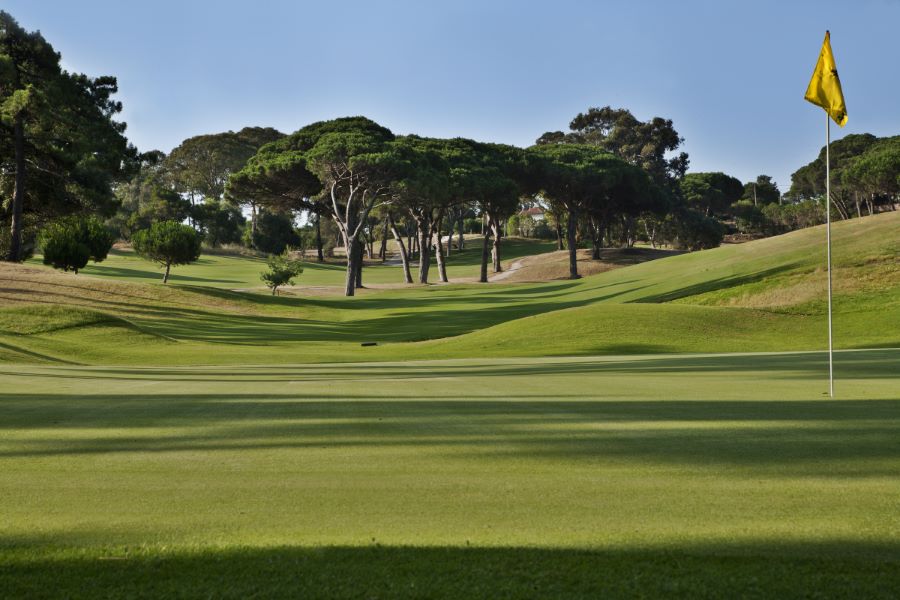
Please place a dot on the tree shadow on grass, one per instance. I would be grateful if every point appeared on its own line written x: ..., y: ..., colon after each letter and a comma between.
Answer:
x: 712, y: 285
x: 773, y: 569
x: 858, y: 364
x: 846, y: 438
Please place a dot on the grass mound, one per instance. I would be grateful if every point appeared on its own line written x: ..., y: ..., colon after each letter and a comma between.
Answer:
x: 763, y: 295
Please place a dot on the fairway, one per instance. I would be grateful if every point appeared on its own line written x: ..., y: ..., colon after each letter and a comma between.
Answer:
x: 677, y: 474
x: 235, y: 271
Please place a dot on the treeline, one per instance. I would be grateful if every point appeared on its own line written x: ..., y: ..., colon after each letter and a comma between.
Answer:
x: 67, y: 170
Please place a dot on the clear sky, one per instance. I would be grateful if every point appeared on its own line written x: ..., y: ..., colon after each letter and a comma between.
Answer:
x: 731, y: 75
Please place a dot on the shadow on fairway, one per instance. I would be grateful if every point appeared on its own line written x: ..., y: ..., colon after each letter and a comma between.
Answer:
x: 834, y: 569
x: 852, y: 440
x: 863, y: 364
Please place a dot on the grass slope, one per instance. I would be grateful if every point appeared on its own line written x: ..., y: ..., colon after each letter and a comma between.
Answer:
x: 761, y: 296
x: 676, y: 476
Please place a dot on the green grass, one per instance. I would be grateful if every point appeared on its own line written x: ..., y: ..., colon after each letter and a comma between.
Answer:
x: 762, y: 296
x: 242, y: 272
x: 680, y: 476
x: 529, y: 456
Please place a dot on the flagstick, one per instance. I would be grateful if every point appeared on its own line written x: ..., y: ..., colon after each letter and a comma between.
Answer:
x: 828, y: 241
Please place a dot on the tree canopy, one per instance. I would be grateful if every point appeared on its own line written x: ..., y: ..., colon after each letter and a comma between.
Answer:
x: 647, y: 144
x: 586, y: 180
x: 167, y: 243
x: 711, y: 193
x: 59, y: 125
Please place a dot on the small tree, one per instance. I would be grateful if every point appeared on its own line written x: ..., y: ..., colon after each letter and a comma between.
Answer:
x: 167, y: 243
x: 69, y: 243
x: 282, y: 270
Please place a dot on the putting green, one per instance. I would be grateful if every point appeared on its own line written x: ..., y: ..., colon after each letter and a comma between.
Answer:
x: 686, y: 474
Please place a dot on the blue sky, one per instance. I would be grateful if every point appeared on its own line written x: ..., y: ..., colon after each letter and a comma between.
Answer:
x: 731, y: 75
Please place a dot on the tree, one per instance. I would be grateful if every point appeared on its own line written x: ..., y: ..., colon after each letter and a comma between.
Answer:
x: 809, y: 181
x: 281, y: 271
x: 168, y: 243
x: 875, y: 173
x: 136, y: 192
x: 201, y: 165
x: 157, y: 204
x: 420, y: 185
x: 646, y: 144
x: 711, y: 193
x: 58, y: 124
x: 585, y: 180
x: 355, y: 169
x: 762, y: 191
x: 219, y: 223
x: 70, y: 242
x: 498, y: 182
x: 274, y: 232
x: 343, y: 164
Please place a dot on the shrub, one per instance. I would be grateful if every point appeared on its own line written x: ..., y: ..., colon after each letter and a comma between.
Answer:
x: 282, y: 270
x: 69, y: 243
x: 696, y: 231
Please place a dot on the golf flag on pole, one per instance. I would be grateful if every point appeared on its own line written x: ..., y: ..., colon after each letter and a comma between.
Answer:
x: 825, y: 90
x: 825, y: 86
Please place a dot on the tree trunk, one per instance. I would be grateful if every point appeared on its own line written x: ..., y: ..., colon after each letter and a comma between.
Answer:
x: 460, y: 229
x: 352, y: 267
x: 18, y: 203
x: 485, y: 253
x: 404, y: 258
x: 320, y: 254
x: 651, y: 233
x: 628, y: 231
x: 495, y: 248
x: 424, y: 241
x: 360, y: 261
x: 382, y: 252
x: 450, y: 227
x: 442, y: 266
x: 596, y: 238
x: 559, y: 235
x: 253, y: 213
x: 166, y: 275
x: 571, y: 231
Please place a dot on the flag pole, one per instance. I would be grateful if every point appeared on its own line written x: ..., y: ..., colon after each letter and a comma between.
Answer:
x: 828, y: 242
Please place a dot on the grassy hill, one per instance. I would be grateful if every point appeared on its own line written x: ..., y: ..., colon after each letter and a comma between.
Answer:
x: 764, y: 295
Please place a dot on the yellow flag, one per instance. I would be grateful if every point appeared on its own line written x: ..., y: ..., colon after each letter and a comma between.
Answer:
x: 825, y: 86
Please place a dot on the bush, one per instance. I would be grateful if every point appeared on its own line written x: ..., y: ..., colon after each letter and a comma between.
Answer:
x: 282, y: 270
x: 543, y: 231
x: 69, y: 243
x: 168, y: 243
x: 696, y: 231
x: 749, y: 218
